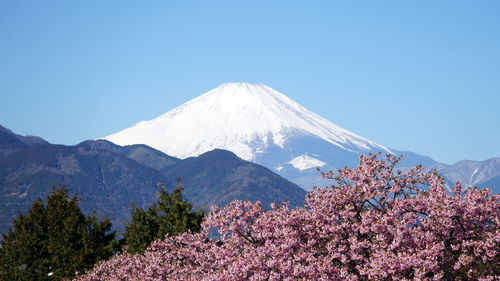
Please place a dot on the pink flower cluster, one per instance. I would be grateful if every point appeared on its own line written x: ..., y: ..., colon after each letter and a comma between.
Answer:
x: 373, y: 223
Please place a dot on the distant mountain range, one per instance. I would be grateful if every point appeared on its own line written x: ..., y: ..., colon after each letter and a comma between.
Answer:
x: 206, y: 139
x: 473, y: 173
x: 262, y: 125
x: 109, y: 178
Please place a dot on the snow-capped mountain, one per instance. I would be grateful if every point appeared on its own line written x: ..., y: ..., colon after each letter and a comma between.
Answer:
x: 241, y: 117
x: 258, y: 124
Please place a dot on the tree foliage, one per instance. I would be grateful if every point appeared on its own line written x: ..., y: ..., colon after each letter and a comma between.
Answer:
x: 171, y: 215
x: 372, y: 223
x: 54, y: 241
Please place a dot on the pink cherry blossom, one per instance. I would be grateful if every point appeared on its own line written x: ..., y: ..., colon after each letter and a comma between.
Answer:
x: 372, y: 223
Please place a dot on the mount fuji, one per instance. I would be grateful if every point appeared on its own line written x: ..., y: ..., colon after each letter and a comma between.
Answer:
x: 258, y: 124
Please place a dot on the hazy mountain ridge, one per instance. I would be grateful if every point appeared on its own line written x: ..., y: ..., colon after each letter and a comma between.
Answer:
x: 109, y: 178
x: 492, y: 183
x: 141, y: 153
x: 106, y: 182
x: 233, y: 178
x: 473, y: 173
x: 9, y: 142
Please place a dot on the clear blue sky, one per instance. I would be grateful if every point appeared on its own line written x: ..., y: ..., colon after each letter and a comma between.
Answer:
x: 422, y: 76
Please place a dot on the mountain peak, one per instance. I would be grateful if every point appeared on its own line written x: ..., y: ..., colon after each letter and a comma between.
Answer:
x: 241, y: 85
x: 241, y: 117
x: 239, y: 97
x: 241, y: 88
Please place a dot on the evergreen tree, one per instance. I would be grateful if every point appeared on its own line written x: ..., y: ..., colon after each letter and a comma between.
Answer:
x: 54, y: 241
x: 171, y: 215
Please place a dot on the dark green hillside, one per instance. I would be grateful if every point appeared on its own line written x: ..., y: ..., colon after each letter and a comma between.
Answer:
x: 219, y: 176
x: 105, y: 181
x: 110, y: 178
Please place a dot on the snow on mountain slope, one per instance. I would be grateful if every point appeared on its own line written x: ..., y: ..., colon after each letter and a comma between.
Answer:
x: 304, y: 162
x: 241, y: 117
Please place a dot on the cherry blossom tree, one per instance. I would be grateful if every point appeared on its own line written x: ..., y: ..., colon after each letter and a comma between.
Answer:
x: 373, y: 223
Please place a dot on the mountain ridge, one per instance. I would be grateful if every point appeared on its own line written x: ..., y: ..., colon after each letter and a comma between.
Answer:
x: 109, y: 178
x: 247, y: 181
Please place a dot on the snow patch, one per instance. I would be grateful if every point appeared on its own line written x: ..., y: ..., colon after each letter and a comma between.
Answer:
x: 304, y: 162
x: 472, y: 175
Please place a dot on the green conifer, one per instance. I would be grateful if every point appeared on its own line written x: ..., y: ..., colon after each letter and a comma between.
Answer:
x: 54, y: 241
x: 170, y: 215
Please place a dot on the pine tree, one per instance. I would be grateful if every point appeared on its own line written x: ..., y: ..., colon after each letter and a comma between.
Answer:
x: 54, y: 241
x: 171, y: 215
